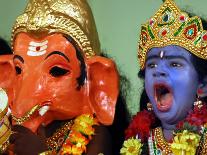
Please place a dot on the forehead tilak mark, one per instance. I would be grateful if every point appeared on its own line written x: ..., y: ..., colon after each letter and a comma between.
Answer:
x: 37, y: 48
x: 161, y: 54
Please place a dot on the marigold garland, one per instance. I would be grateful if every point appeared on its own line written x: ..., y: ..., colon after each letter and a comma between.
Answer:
x: 186, y: 136
x: 185, y: 143
x: 132, y: 146
x: 79, y: 136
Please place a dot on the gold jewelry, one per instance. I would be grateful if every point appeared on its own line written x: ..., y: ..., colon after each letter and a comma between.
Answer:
x: 73, y: 18
x: 23, y: 119
x: 4, y: 146
x: 198, y: 103
x: 161, y: 143
x: 57, y: 139
x: 171, y: 26
x: 5, y: 132
x: 149, y: 106
x: 203, y: 149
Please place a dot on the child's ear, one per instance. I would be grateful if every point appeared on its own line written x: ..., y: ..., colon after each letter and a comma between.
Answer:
x: 202, y: 88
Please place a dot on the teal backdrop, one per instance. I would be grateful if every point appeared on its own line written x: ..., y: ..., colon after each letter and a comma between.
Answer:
x: 118, y: 23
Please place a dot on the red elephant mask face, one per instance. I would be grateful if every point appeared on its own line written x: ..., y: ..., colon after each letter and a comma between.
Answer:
x: 47, y: 88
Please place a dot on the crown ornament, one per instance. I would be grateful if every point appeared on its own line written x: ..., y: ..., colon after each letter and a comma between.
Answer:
x: 69, y: 17
x: 171, y: 26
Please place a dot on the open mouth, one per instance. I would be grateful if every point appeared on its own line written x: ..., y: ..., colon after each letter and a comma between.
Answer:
x: 163, y: 97
x: 41, y: 110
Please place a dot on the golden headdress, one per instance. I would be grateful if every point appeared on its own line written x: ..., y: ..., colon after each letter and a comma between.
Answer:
x: 70, y: 17
x: 171, y: 26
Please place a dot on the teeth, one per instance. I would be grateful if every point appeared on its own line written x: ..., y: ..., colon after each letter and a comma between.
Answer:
x: 43, y: 110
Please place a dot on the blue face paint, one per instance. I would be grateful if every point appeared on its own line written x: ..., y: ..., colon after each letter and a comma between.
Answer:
x: 171, y: 82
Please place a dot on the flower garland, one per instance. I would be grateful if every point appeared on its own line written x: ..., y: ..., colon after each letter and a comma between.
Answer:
x: 187, y: 139
x: 74, y: 136
x: 132, y: 146
x: 80, y: 135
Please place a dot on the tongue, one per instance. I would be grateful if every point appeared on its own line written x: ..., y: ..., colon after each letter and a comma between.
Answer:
x: 166, y: 99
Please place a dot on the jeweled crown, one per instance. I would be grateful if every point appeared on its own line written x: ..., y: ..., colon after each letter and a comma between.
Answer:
x: 171, y: 26
x: 70, y: 17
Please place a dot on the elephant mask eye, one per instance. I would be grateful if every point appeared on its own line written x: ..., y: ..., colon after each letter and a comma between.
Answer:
x: 58, y: 71
x: 18, y: 70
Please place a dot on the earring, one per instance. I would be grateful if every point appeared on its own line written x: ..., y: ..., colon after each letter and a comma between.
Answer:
x: 198, y: 103
x: 149, y: 106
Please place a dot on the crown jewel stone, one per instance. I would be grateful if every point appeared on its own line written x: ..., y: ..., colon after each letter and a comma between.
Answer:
x: 164, y: 32
x: 182, y: 18
x: 151, y: 22
x: 166, y: 17
x: 190, y: 32
x: 204, y: 37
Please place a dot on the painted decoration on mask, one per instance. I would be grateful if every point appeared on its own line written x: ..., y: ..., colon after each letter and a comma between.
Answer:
x: 37, y: 48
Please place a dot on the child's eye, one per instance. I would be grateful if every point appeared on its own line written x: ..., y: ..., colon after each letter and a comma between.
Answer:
x: 175, y: 64
x: 152, y: 65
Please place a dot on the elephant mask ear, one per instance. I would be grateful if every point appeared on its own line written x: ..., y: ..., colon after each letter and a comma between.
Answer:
x: 103, y: 88
x: 7, y: 72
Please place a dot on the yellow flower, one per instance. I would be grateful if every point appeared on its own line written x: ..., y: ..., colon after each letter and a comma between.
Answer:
x: 185, y: 143
x: 73, y: 150
x: 86, y: 118
x: 84, y: 128
x: 77, y: 137
x: 131, y: 146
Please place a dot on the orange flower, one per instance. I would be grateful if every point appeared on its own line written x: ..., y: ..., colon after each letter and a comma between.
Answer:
x: 79, y: 136
x: 76, y: 137
x: 84, y: 128
x: 74, y: 150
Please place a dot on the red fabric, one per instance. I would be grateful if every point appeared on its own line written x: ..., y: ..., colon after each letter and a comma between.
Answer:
x: 195, y: 118
x: 141, y: 125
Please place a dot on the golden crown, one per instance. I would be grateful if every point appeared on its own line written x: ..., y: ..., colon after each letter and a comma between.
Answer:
x: 70, y: 17
x: 171, y: 26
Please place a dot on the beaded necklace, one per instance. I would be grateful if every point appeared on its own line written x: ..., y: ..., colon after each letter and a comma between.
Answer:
x: 55, y: 142
x: 157, y: 143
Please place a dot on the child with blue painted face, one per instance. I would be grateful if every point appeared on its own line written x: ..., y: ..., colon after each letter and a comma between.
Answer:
x: 172, y: 55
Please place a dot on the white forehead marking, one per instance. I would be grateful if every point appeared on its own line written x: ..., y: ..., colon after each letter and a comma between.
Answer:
x: 32, y: 43
x: 162, y: 54
x: 41, y: 48
x: 37, y: 48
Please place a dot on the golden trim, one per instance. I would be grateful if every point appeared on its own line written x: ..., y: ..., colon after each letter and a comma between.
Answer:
x: 73, y: 18
x: 26, y: 117
x: 171, y: 26
x: 4, y: 112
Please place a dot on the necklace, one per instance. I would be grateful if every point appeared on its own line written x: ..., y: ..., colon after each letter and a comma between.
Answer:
x: 57, y: 139
x: 159, y: 143
x: 203, y: 142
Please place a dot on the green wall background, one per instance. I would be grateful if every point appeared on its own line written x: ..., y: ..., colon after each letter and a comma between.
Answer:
x: 118, y: 23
